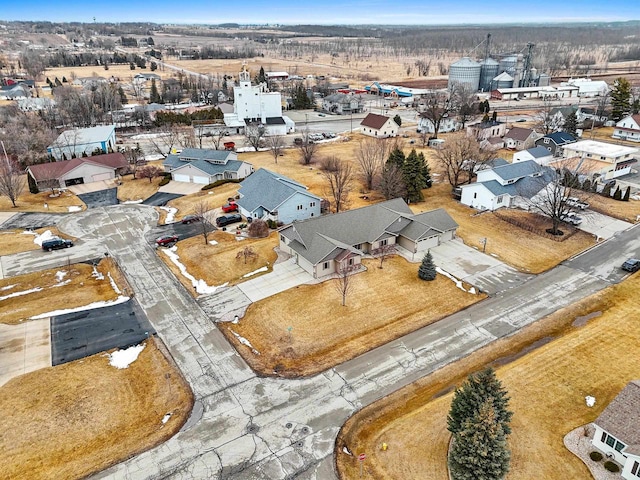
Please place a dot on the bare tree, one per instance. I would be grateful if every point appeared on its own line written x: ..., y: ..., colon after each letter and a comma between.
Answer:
x: 459, y: 156
x: 275, y: 143
x: 545, y: 121
x: 437, y: 107
x: 25, y: 136
x: 463, y: 98
x: 217, y: 136
x: 167, y: 140
x: 149, y: 171
x: 247, y: 253
x: 371, y: 153
x: 11, y: 180
x: 254, y: 134
x: 392, y: 184
x: 384, y: 251
x: 307, y: 148
x: 33, y: 63
x: 203, y: 212
x: 339, y: 175
x: 343, y: 282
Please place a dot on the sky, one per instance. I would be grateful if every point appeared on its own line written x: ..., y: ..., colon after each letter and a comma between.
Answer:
x: 353, y: 12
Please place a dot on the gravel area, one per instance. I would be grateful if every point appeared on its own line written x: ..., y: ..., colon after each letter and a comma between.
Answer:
x: 579, y: 443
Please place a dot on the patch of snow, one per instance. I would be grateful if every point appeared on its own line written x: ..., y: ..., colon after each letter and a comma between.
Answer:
x: 262, y: 269
x: 452, y: 278
x: 346, y: 450
x: 8, y: 287
x: 28, y: 232
x: 130, y: 202
x: 43, y: 237
x: 154, y: 156
x: 472, y: 290
x: 166, y: 418
x: 142, y: 136
x: 19, y: 294
x: 91, y: 306
x: 123, y: 358
x: 61, y: 284
x: 171, y: 212
x: 200, y: 286
x: 494, y: 255
x: 212, y: 242
x: 590, y: 401
x: 245, y: 342
x: 60, y: 275
x: 113, y: 284
x: 96, y: 274
x: 240, y: 238
x: 75, y: 208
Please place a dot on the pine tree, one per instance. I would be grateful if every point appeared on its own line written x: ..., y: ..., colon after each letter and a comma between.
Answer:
x: 427, y: 270
x: 479, y: 450
x: 154, y: 95
x: 618, y: 194
x: 586, y: 186
x: 494, y: 116
x: 414, y: 179
x: 398, y: 120
x: 261, y: 77
x: 397, y: 158
x: 571, y: 124
x: 606, y: 191
x: 620, y: 99
x: 627, y: 194
x: 426, y: 171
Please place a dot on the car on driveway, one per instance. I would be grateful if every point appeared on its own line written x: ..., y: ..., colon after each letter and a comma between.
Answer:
x: 56, y: 244
x: 571, y: 218
x: 230, y: 207
x: 631, y: 265
x: 167, y: 241
x: 225, y: 220
x: 575, y: 202
x: 190, y: 219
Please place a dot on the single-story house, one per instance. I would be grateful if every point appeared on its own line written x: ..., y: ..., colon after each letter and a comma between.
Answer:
x: 342, y: 104
x: 492, y: 143
x: 204, y: 166
x: 505, y: 185
x: 555, y: 142
x: 448, y: 124
x: 616, y: 430
x: 325, y: 245
x: 628, y: 128
x: 485, y: 130
x: 77, y: 170
x: 270, y: 196
x: 540, y: 155
x: 379, y: 126
x: 520, y: 138
x: 80, y: 141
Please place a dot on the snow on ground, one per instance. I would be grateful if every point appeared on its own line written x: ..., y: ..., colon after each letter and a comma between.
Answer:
x: 154, y: 156
x: 75, y: 208
x: 143, y: 136
x: 60, y: 275
x: 19, y: 294
x: 246, y: 342
x: 96, y: 274
x: 43, y: 237
x: 61, y: 284
x: 171, y: 212
x: 166, y: 418
x: 130, y: 202
x: 8, y: 287
x: 200, y: 286
x: 590, y: 401
x: 123, y: 358
x: 113, y: 284
x: 91, y: 306
x: 212, y: 242
x: 346, y: 450
x: 454, y: 279
x: 262, y: 269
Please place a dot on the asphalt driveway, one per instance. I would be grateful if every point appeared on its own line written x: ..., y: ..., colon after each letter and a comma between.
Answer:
x: 100, y: 198
x: 31, y: 220
x: 160, y: 199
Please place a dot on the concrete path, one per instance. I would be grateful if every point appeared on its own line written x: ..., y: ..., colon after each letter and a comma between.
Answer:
x: 181, y: 188
x: 24, y: 348
x: 5, y: 216
x: 92, y: 187
x: 601, y: 226
x: 284, y: 276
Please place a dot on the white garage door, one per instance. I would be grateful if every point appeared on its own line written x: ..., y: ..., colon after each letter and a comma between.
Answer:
x: 98, y: 177
x: 202, y: 180
x: 181, y: 178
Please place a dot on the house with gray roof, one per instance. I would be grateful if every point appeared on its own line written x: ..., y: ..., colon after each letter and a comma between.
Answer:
x: 270, y: 196
x: 520, y: 138
x: 83, y: 141
x: 616, y: 430
x: 540, y: 155
x: 342, y: 104
x: 204, y: 166
x: 325, y: 245
x: 504, y: 185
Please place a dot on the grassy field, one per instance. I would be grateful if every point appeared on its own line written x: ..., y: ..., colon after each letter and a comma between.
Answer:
x: 324, y: 333
x: 77, y: 287
x: 15, y: 241
x: 547, y: 389
x: 627, y: 211
x: 76, y: 419
x: 213, y: 198
x: 137, y: 189
x: 30, y: 202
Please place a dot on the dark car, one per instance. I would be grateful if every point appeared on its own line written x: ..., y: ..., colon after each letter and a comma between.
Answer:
x: 167, y: 241
x: 190, y: 219
x: 55, y: 244
x: 228, y: 219
x: 631, y: 265
x: 230, y: 207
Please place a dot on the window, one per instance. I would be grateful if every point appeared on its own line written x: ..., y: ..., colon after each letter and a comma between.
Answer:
x: 351, y: 261
x: 358, y: 246
x: 282, y: 238
x: 475, y: 194
x: 499, y: 199
x: 635, y: 470
x: 612, y: 442
x: 383, y: 242
x: 546, y: 141
x: 325, y: 265
x: 312, y: 204
x: 299, y: 207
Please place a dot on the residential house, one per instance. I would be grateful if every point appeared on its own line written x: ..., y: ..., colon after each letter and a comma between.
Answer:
x: 146, y: 77
x: 505, y: 185
x: 77, y: 171
x: 486, y: 130
x: 587, y: 114
x: 448, y: 124
x: 492, y: 143
x: 342, y: 104
x: 325, y: 245
x: 628, y: 128
x: 270, y: 196
x: 520, y: 138
x: 555, y: 142
x: 540, y: 155
x: 13, y: 92
x: 202, y: 166
x: 558, y: 116
x: 616, y: 430
x: 598, y: 159
x: 83, y: 141
x: 379, y: 126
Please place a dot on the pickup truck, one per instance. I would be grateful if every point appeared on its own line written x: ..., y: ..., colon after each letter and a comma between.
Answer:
x: 571, y: 218
x: 577, y: 203
x: 230, y: 207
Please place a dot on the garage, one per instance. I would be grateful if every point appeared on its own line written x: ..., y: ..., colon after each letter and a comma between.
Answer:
x: 99, y: 177
x: 74, y: 181
x: 181, y: 178
x: 202, y: 180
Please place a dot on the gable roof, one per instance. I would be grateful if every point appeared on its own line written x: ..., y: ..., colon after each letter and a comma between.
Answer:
x: 208, y: 167
x: 564, y: 111
x: 538, y: 152
x: 269, y: 190
x: 560, y: 138
x: 83, y: 136
x: 527, y: 187
x: 518, y: 133
x: 375, y: 121
x: 504, y: 76
x: 635, y: 118
x: 622, y: 416
x: 55, y: 170
x: 512, y: 171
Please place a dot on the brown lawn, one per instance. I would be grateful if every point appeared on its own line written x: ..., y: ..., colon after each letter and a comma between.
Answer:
x: 547, y: 389
x: 213, y: 198
x: 76, y: 419
x: 16, y: 241
x: 55, y: 294
x: 30, y: 202
x: 324, y: 333
x: 137, y: 189
x: 627, y: 211
x: 217, y: 264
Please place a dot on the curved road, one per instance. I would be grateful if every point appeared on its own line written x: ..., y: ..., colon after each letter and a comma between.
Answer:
x: 246, y: 427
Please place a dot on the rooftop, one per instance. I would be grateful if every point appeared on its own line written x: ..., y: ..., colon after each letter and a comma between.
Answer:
x: 622, y: 416
x: 600, y: 148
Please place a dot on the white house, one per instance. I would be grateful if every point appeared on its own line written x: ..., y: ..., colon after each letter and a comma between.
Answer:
x: 79, y: 141
x: 616, y: 430
x: 502, y: 186
x: 628, y: 128
x: 448, y: 124
x: 540, y: 155
x: 379, y: 126
x: 202, y: 166
x: 486, y: 130
x: 598, y: 158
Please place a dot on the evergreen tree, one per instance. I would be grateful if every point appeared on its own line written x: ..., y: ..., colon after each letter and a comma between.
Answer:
x: 618, y: 194
x: 261, y: 77
x: 427, y: 270
x: 154, y: 95
x: 485, y: 118
x: 426, y: 171
x: 479, y: 450
x: 606, y: 191
x: 398, y: 120
x: 414, y: 180
x: 396, y: 157
x: 474, y: 392
x: 620, y: 99
x: 300, y: 98
x: 571, y: 124
x: 586, y: 186
x: 627, y: 194
x: 494, y: 116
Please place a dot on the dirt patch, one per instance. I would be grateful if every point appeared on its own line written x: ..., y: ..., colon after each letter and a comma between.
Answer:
x: 16, y: 241
x: 306, y: 330
x: 105, y: 415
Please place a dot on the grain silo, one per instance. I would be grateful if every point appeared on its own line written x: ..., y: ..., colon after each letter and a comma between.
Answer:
x: 488, y: 70
x: 504, y: 80
x: 508, y: 64
x: 465, y: 72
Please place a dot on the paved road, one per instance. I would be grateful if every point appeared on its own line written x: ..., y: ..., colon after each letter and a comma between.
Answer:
x: 249, y: 427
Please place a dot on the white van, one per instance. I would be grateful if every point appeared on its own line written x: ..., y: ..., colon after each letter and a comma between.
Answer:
x: 436, y: 143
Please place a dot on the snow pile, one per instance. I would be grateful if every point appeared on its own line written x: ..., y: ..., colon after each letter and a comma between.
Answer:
x: 346, y: 450
x: 263, y: 269
x: 212, y: 242
x: 123, y: 358
x: 113, y: 284
x: 96, y: 274
x: 60, y: 275
x: 590, y: 401
x: 8, y: 287
x: 171, y: 212
x: 454, y: 279
x: 143, y: 136
x: 166, y: 418
x: 19, y: 294
x: 74, y: 208
x: 61, y: 284
x: 200, y: 286
x: 129, y: 202
x: 91, y: 306
x: 245, y: 342
x: 43, y: 237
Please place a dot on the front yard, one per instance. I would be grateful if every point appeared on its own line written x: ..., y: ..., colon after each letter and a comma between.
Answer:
x: 45, y: 201
x: 306, y: 330
x: 20, y: 240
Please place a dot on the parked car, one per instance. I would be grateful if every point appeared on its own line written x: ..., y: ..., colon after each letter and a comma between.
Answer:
x: 167, y: 241
x: 225, y: 220
x: 631, y: 265
x: 56, y: 244
x: 190, y: 219
x: 577, y: 203
x: 571, y: 218
x: 230, y: 207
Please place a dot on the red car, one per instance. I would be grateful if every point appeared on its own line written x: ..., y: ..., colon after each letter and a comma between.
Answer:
x: 167, y: 241
x: 230, y: 207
